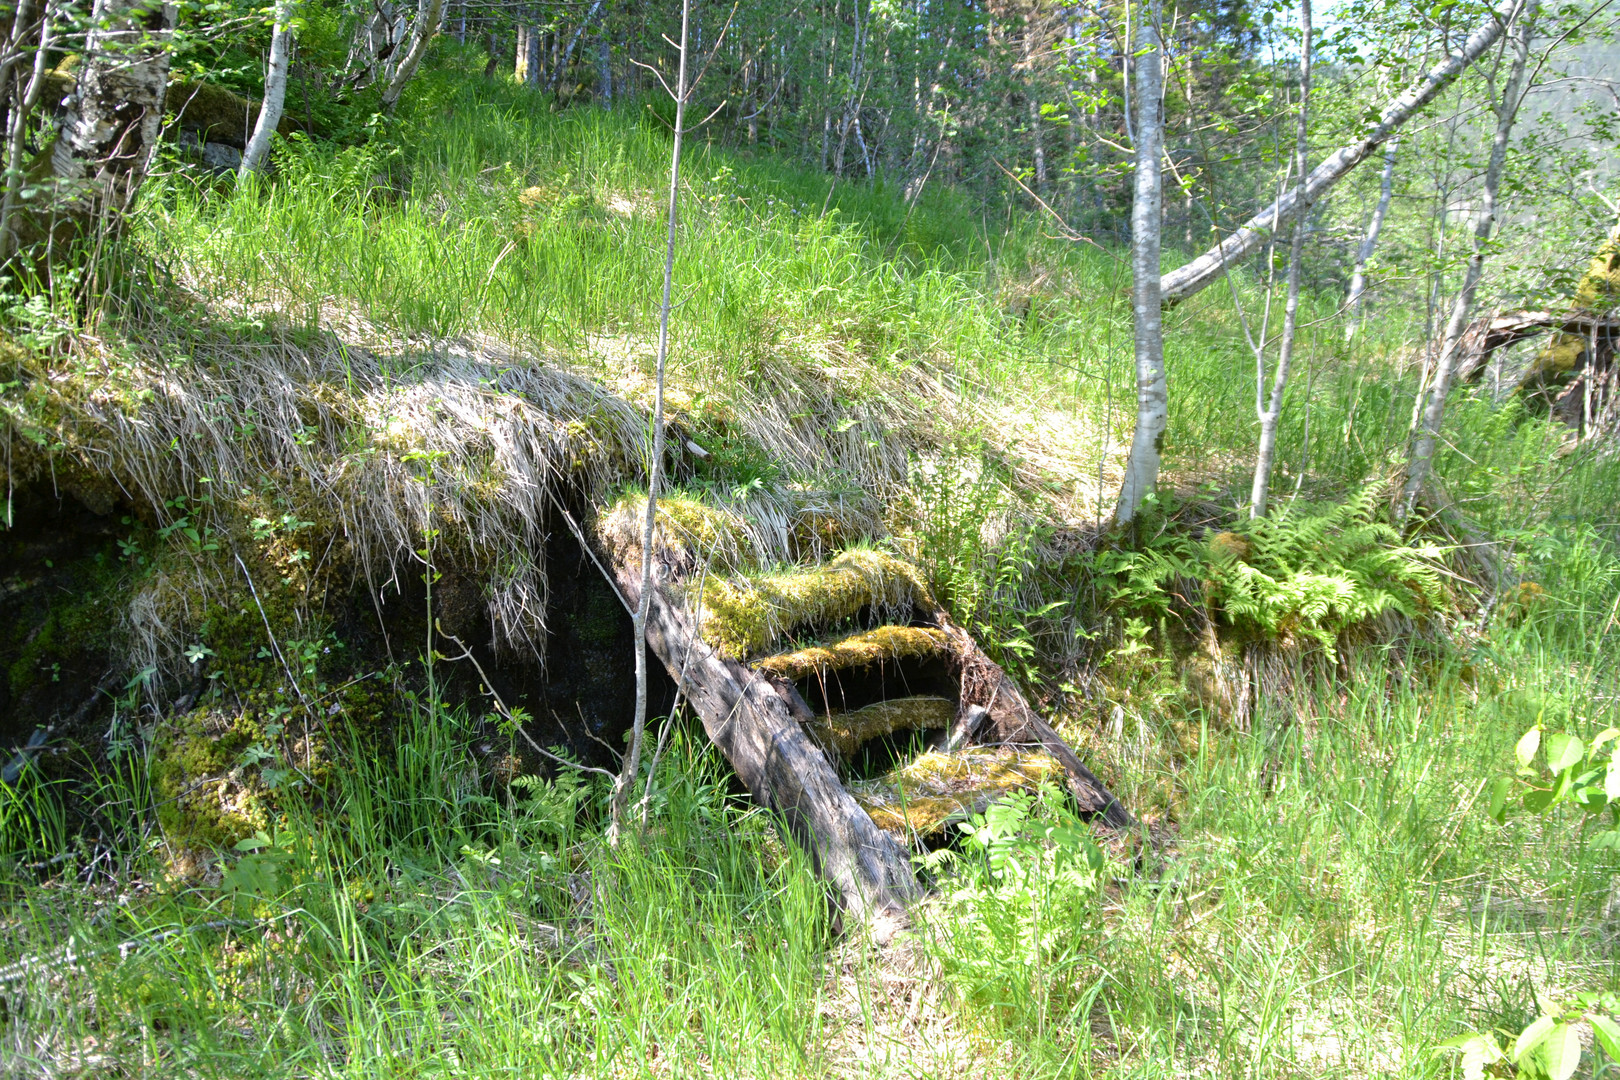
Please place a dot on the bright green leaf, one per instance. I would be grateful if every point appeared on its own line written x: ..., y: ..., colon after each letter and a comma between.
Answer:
x: 1526, y: 749
x: 1563, y: 751
x: 1500, y: 791
x: 1608, y: 1035
x: 1563, y: 1050
x: 1532, y: 1037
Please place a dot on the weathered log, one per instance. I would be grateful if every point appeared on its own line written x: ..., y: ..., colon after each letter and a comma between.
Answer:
x: 751, y: 720
x: 1502, y: 329
x: 1010, y: 720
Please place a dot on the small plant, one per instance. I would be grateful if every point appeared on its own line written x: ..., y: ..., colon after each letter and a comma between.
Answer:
x: 1550, y: 1047
x: 1021, y: 905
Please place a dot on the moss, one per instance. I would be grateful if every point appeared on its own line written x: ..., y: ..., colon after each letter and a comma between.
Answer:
x: 743, y: 616
x: 923, y: 796
x: 217, y: 114
x: 848, y: 732
x: 205, y: 797
x: 857, y: 650
x: 1599, y: 287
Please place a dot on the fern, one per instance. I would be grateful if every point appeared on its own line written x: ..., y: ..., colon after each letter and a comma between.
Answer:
x: 1311, y: 571
x: 1320, y: 571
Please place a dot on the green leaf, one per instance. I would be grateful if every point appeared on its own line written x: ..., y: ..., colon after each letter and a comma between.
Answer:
x: 1526, y: 749
x: 1563, y: 751
x: 1563, y: 1049
x: 1500, y: 791
x: 1538, y: 799
x: 1532, y: 1037
x: 1611, y: 779
x: 1608, y: 1035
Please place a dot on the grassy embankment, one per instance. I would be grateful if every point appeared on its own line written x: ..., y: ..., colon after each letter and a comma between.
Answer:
x: 1331, y: 899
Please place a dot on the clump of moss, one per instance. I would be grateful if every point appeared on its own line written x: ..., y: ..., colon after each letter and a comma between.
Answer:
x: 923, y: 796
x: 684, y: 523
x: 205, y: 796
x: 848, y: 732
x: 1599, y: 288
x: 862, y: 649
x: 742, y: 616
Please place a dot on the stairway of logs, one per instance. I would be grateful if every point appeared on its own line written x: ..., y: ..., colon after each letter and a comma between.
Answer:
x: 870, y: 734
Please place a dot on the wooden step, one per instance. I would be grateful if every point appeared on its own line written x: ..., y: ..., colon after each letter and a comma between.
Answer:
x: 922, y: 798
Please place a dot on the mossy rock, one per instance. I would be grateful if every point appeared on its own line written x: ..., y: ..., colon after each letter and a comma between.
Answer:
x: 206, y: 798
x: 848, y: 732
x: 863, y: 649
x: 217, y: 114
x: 743, y: 616
x: 922, y: 797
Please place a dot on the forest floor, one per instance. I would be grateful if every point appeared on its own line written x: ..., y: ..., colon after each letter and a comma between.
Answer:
x: 1317, y: 889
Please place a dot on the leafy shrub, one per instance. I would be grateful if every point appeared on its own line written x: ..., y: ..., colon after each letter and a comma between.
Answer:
x: 1019, y: 907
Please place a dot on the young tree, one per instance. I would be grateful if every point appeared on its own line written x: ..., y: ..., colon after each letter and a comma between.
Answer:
x: 1152, y: 393
x: 1421, y: 463
x: 423, y: 30
x: 632, y: 757
x: 1269, y: 414
x: 1369, y: 243
x: 275, y: 90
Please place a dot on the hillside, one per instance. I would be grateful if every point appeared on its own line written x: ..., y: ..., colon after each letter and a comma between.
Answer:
x: 326, y: 456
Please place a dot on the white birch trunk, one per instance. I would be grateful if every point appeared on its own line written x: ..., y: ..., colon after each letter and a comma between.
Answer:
x: 626, y: 780
x: 275, y: 91
x: 1272, y: 413
x: 1152, y: 394
x: 1182, y: 282
x: 1421, y: 464
x: 423, y: 30
x: 114, y: 117
x: 1369, y: 244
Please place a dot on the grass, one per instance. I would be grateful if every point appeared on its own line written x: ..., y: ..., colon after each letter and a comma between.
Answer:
x: 1323, y: 895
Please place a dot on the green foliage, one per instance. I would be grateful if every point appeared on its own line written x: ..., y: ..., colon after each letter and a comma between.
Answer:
x: 1315, y: 572
x: 1018, y: 914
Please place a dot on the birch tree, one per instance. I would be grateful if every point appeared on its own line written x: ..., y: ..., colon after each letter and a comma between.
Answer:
x: 1433, y: 398
x: 275, y: 90
x: 1270, y: 413
x: 423, y: 29
x: 1152, y: 393
x: 632, y: 757
x: 1369, y: 244
x: 112, y: 121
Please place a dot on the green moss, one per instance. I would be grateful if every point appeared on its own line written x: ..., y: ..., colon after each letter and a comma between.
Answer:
x: 1599, y: 287
x: 862, y: 649
x: 848, y: 732
x: 923, y: 796
x: 206, y: 798
x: 742, y: 616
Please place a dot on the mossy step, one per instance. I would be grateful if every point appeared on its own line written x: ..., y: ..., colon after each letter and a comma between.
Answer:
x: 861, y: 649
x: 922, y: 797
x: 848, y: 732
x: 744, y: 616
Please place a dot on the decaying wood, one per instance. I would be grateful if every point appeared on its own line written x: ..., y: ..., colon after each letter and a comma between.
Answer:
x: 1502, y: 329
x: 746, y: 715
x: 764, y: 726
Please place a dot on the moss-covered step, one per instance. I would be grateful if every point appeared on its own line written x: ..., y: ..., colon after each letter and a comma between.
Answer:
x: 863, y: 649
x: 921, y: 798
x: 744, y: 616
x: 848, y: 732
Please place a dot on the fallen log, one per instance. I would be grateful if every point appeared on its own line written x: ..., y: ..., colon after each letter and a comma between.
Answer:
x: 1502, y: 329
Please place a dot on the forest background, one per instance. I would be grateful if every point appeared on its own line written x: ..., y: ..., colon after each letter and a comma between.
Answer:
x: 266, y: 375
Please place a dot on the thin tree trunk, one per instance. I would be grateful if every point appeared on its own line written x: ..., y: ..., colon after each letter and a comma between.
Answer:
x: 1272, y: 413
x: 520, y: 54
x: 1152, y: 394
x: 1421, y: 464
x: 428, y: 13
x: 275, y: 90
x: 22, y: 107
x: 1182, y: 282
x: 532, y: 65
x: 1369, y: 244
x: 632, y: 757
